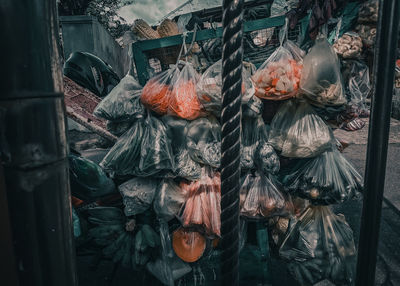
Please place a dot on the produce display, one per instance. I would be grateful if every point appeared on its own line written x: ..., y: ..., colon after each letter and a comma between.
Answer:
x: 166, y: 164
x: 321, y: 80
x: 320, y: 245
x: 349, y: 46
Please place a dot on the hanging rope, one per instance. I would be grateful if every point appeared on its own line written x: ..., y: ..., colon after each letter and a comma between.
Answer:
x: 232, y: 57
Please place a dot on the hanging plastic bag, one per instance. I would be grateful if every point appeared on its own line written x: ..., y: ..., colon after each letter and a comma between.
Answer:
x: 202, y: 207
x: 123, y: 102
x: 203, y: 141
x: 184, y: 102
x: 261, y: 197
x: 88, y: 180
x: 144, y: 150
x: 321, y: 80
x: 185, y: 166
x: 138, y: 194
x: 318, y: 246
x: 169, y: 200
x: 266, y: 159
x: 297, y: 53
x: 209, y: 88
x: 156, y: 94
x: 168, y: 267
x: 279, y: 76
x: 308, y: 135
x: 156, y: 155
x: 358, y: 86
x: 280, y: 124
x: 326, y: 179
x: 254, y: 133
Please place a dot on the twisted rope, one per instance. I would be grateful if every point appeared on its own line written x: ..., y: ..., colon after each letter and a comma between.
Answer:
x: 232, y: 57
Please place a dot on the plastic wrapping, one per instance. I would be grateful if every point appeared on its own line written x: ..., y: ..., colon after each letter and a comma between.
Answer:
x: 144, y: 150
x: 157, y: 92
x: 118, y: 128
x: 266, y: 159
x: 326, y: 179
x: 169, y: 200
x: 123, y: 102
x: 138, y: 194
x: 297, y: 53
x: 299, y: 132
x: 321, y: 80
x: 184, y: 102
x: 358, y: 86
x: 254, y: 133
x: 280, y: 124
x: 320, y: 245
x: 88, y: 180
x: 203, y: 140
x: 185, y: 166
x: 202, y: 207
x: 209, y: 88
x: 279, y: 76
x: 308, y: 135
x: 168, y: 267
x: 260, y: 196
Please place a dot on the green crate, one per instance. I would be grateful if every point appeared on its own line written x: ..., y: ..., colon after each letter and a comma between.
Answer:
x: 144, y: 51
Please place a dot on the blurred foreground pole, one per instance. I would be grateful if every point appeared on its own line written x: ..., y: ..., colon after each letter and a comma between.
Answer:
x: 232, y: 57
x: 385, y: 57
x: 33, y: 144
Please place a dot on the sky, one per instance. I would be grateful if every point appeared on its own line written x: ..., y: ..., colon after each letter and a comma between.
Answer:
x: 153, y: 10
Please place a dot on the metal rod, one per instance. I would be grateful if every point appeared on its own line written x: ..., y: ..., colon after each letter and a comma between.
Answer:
x: 33, y: 146
x: 232, y: 57
x: 385, y: 56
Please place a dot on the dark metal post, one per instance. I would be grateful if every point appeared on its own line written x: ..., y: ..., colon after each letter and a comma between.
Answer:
x: 232, y: 57
x: 385, y: 56
x: 33, y: 144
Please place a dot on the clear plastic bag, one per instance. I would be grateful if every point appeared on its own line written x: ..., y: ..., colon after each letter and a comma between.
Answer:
x: 266, y: 159
x: 308, y: 135
x: 279, y: 76
x: 156, y: 152
x: 358, y: 86
x: 254, y: 133
x: 203, y: 202
x: 320, y: 245
x: 209, y: 88
x: 297, y: 53
x: 169, y: 200
x: 321, y: 80
x: 260, y: 196
x: 184, y: 102
x: 326, y: 179
x: 144, y: 150
x: 156, y: 94
x: 123, y: 102
x: 88, y: 180
x: 280, y: 124
x: 138, y: 194
x: 168, y: 267
x: 203, y: 141
x: 185, y: 166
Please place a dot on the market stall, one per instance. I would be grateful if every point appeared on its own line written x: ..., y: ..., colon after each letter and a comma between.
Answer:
x: 162, y: 209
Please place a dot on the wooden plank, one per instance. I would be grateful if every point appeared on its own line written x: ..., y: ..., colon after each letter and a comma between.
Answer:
x: 80, y: 104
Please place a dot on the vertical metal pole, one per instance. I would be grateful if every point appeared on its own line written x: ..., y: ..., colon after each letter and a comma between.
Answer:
x: 232, y: 57
x: 385, y: 56
x: 33, y: 144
